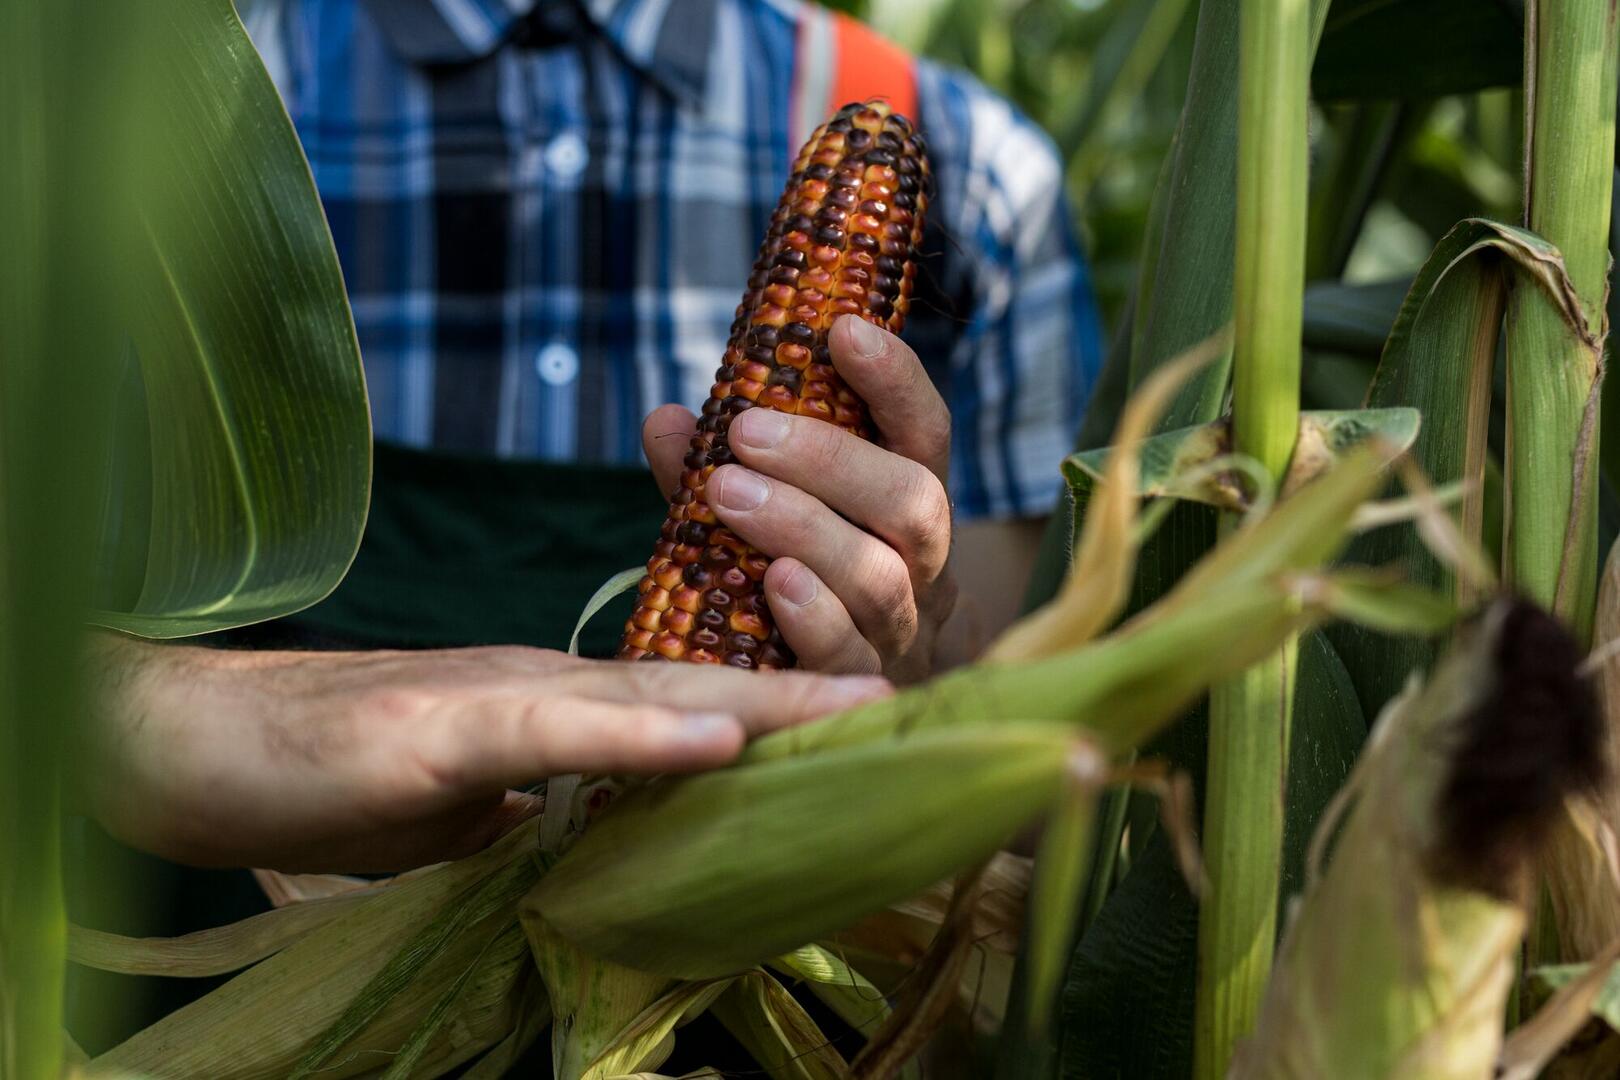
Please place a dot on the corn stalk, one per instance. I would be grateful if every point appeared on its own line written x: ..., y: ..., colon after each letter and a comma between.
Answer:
x: 1250, y: 716
x: 1555, y: 369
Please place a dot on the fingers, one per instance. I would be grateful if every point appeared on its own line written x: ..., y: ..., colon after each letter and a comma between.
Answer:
x: 759, y: 704
x: 510, y: 740
x: 905, y: 406
x: 666, y: 435
x: 815, y: 623
x: 898, y: 499
x: 868, y: 576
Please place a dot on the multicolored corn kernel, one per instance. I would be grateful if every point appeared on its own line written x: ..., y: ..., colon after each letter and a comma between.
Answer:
x: 841, y: 242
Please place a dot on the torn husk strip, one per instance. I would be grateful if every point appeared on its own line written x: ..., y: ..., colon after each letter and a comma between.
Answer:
x: 1400, y: 957
x: 712, y: 874
x: 1535, y: 1043
x: 1232, y: 609
x: 258, y: 1024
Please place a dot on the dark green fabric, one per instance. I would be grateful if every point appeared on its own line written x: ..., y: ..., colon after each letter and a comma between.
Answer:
x: 464, y: 551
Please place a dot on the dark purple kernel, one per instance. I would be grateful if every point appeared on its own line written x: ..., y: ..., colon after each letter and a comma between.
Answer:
x: 863, y: 241
x: 831, y: 235
x: 798, y: 333
x: 919, y: 145
x: 743, y: 643
x: 722, y: 455
x: 788, y: 377
x: 667, y: 532
x: 763, y: 336
x: 734, y: 581
x: 740, y: 660
x: 822, y: 355
x: 760, y: 354
x: 905, y: 201
x: 736, y: 404
x: 711, y: 406
x: 705, y: 639
x: 842, y: 198
x: 695, y: 459
x: 718, y: 556
x: 847, y: 180
x: 888, y: 140
x: 717, y: 599
x: 695, y: 575
x: 907, y: 166
x: 831, y: 215
x: 842, y: 121
x: 881, y: 306
x: 725, y: 373
x: 784, y: 275
x: 886, y: 285
x: 694, y: 534
x: 682, y: 497
x: 908, y: 183
x: 712, y: 620
x: 888, y: 264
x: 791, y: 257
x: 818, y: 171
x: 758, y: 280
x: 875, y: 206
x: 879, y: 157
x: 859, y: 139
x: 800, y: 223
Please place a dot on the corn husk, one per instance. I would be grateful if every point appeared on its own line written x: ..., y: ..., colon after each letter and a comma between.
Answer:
x: 1397, y: 965
x: 713, y: 874
x: 262, y: 1022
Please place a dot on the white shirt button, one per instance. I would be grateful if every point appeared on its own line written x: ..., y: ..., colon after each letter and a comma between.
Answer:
x: 566, y: 155
x: 557, y: 364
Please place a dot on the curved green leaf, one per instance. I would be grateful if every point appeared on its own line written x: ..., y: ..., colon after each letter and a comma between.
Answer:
x: 242, y: 460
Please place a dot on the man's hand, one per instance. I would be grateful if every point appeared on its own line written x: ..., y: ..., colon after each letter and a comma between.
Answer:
x: 860, y: 533
x: 386, y: 760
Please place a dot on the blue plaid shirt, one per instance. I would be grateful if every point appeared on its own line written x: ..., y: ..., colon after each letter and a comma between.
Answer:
x: 546, y: 212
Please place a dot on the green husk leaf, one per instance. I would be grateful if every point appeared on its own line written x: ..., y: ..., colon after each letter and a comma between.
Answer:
x: 606, y: 593
x: 207, y: 952
x: 1061, y: 866
x: 257, y: 1026
x: 489, y: 897
x: 1196, y: 464
x: 645, y: 1042
x: 714, y: 873
x: 776, y: 1031
x: 840, y: 987
x: 411, y: 1054
x: 1605, y: 1004
x: 592, y: 1002
x: 533, y: 1017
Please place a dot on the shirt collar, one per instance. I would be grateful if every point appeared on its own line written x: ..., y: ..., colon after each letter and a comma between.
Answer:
x: 668, y: 41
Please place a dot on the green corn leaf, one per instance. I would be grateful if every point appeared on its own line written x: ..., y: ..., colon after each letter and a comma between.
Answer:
x: 840, y: 987
x: 1061, y: 868
x: 646, y: 1041
x: 1439, y: 360
x: 242, y: 457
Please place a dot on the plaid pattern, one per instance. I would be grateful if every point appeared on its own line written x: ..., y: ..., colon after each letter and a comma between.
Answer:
x: 545, y: 213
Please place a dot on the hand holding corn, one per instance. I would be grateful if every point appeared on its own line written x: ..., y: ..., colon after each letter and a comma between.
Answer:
x: 371, y: 761
x: 859, y: 532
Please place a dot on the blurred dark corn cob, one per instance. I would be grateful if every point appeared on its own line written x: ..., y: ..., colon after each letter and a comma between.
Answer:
x: 840, y: 243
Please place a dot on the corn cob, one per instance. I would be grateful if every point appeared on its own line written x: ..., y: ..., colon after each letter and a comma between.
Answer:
x: 840, y: 243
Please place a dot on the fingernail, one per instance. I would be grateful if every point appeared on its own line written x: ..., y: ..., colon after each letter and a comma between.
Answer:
x: 799, y: 588
x: 705, y: 727
x: 759, y: 428
x: 864, y: 338
x: 743, y: 490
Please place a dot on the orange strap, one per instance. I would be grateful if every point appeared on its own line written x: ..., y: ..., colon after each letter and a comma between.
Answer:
x: 840, y: 59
